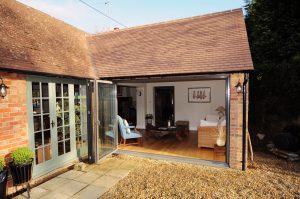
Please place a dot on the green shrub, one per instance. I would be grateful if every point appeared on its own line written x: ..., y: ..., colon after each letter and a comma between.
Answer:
x: 2, y: 163
x: 22, y: 155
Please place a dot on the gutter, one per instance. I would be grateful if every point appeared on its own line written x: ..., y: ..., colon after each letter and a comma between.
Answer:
x: 246, y: 79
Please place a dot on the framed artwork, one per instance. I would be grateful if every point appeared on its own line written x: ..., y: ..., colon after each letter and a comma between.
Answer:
x: 199, y: 95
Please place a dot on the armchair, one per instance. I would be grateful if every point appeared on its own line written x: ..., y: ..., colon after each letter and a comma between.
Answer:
x: 125, y: 135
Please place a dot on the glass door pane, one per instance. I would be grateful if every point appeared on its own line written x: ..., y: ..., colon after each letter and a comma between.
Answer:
x: 106, y: 119
x: 63, y: 119
x: 41, y: 122
x: 80, y: 110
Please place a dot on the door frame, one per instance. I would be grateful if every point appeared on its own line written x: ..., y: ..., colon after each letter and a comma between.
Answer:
x: 55, y: 161
x: 154, y: 99
x: 96, y: 120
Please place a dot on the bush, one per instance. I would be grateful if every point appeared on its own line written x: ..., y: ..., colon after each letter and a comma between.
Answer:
x: 22, y: 156
x: 2, y: 164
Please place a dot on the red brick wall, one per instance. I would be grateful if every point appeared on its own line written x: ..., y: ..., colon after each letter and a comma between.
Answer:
x: 236, y: 122
x: 13, y: 114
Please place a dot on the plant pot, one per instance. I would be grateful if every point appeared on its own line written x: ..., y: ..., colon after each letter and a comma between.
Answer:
x: 20, y: 173
x: 3, y: 181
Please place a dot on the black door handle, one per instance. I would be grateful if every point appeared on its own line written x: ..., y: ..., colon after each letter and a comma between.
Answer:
x: 52, y: 123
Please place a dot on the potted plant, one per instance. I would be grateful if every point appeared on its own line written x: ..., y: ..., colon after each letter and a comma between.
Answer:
x: 21, y: 165
x: 3, y: 178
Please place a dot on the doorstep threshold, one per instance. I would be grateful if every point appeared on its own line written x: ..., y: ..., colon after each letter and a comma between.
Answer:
x: 187, y: 160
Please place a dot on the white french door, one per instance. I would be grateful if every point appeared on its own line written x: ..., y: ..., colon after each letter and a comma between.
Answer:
x: 51, y: 126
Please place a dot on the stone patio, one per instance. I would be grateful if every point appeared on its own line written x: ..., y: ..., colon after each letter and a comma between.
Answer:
x: 88, y: 184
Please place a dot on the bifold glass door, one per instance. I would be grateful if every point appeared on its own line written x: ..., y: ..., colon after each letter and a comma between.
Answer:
x: 107, y: 119
x: 57, y: 122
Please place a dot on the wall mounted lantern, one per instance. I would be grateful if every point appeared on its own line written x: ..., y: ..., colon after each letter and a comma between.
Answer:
x: 3, y: 89
x: 239, y: 87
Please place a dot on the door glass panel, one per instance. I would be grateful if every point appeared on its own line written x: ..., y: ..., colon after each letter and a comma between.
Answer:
x: 80, y: 119
x: 66, y: 104
x: 107, y: 118
x: 45, y: 106
x: 60, y: 134
x: 65, y: 90
x: 48, y: 152
x: 58, y: 90
x: 36, y: 106
x: 61, y: 148
x: 47, y: 137
x: 67, y: 132
x: 66, y: 118
x: 63, y: 118
x: 68, y: 146
x: 36, y: 89
x: 58, y: 105
x: 39, y: 156
x: 38, y: 139
x: 59, y: 121
x: 41, y: 122
x: 45, y: 90
x: 37, y: 123
x: 46, y: 122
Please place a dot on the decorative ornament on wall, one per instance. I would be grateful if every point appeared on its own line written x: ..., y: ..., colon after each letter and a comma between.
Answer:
x: 199, y: 95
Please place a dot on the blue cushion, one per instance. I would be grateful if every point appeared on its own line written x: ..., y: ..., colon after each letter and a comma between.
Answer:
x: 133, y: 135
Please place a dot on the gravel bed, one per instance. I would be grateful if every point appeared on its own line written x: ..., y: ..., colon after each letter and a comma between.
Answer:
x: 268, y: 177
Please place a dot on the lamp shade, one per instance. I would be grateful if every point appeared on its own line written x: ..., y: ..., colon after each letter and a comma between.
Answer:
x: 239, y: 87
x: 3, y: 89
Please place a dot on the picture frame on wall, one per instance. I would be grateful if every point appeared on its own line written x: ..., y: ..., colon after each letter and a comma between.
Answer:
x: 199, y: 95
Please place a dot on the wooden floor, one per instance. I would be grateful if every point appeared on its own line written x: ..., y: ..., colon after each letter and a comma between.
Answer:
x: 171, y: 146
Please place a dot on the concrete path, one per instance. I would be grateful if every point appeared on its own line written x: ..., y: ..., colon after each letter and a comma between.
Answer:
x: 89, y: 184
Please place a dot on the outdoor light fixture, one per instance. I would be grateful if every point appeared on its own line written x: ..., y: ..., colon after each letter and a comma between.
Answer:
x: 239, y: 87
x: 3, y: 89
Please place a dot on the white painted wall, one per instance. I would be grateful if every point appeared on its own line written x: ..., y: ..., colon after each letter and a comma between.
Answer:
x: 192, y: 112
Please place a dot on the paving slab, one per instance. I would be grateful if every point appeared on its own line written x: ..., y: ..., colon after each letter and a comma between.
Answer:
x: 106, y: 181
x: 54, y: 183
x: 55, y: 195
x: 119, y: 173
x: 90, y: 184
x: 35, y: 193
x: 111, y: 163
x: 87, y: 178
x: 100, y: 170
x: 71, y: 174
x: 91, y: 192
x: 71, y: 188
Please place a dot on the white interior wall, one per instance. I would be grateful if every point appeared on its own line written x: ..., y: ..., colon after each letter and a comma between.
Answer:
x: 193, y: 112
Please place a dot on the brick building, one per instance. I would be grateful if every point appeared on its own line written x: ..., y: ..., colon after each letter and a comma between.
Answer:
x: 62, y: 97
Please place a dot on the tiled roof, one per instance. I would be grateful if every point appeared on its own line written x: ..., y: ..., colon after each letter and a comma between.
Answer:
x: 33, y: 41
x: 203, y: 44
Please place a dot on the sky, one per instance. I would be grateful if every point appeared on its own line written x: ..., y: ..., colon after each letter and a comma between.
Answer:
x: 129, y: 12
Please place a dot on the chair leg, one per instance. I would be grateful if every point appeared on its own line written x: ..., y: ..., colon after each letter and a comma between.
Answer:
x: 124, y: 141
x: 121, y: 141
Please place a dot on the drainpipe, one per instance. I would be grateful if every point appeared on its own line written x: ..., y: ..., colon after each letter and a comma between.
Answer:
x: 246, y: 78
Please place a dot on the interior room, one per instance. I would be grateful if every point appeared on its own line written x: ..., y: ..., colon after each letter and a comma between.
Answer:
x: 179, y: 118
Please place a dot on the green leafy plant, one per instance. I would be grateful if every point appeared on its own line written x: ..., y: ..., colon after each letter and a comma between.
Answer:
x: 22, y: 155
x: 2, y: 164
